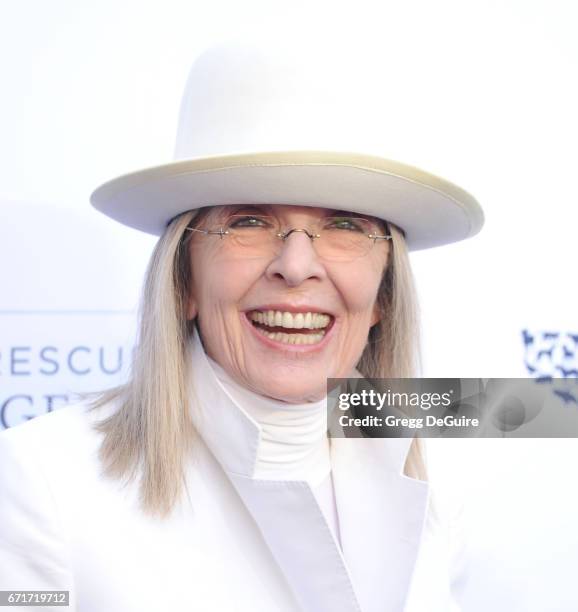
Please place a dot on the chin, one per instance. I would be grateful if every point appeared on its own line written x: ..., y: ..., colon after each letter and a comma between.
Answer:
x: 293, y: 394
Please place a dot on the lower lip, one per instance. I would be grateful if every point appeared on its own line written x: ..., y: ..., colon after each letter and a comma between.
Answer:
x: 290, y: 348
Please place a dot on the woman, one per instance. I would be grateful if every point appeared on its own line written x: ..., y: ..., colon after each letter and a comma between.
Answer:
x: 208, y: 481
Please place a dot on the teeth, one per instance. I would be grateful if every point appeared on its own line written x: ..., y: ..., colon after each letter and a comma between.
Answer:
x: 300, y: 320
x: 293, y: 338
x: 288, y: 320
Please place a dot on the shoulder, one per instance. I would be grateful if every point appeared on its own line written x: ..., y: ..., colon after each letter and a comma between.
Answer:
x: 33, y: 549
x: 51, y: 464
x: 30, y: 444
x: 50, y: 452
x: 56, y: 423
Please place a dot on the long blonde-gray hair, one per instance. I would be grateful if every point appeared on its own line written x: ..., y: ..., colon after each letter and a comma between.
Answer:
x: 150, y: 432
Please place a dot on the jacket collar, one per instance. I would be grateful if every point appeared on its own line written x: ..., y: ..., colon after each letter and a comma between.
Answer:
x: 231, y: 434
x: 381, y: 512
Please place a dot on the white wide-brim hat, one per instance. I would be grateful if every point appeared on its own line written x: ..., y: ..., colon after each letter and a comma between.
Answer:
x: 262, y: 125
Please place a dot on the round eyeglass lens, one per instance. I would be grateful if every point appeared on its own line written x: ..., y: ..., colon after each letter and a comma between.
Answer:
x: 340, y: 238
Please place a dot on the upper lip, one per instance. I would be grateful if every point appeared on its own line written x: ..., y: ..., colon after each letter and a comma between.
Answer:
x: 291, y: 308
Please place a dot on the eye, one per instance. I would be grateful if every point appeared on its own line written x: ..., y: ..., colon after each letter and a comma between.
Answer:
x: 346, y: 223
x: 245, y: 221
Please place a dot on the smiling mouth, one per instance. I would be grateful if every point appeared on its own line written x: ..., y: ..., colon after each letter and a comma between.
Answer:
x: 291, y: 328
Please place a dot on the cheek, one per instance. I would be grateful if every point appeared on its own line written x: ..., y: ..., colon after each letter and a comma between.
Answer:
x: 358, y: 287
x: 219, y: 284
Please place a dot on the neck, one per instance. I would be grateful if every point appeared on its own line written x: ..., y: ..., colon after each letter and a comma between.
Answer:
x: 292, y: 438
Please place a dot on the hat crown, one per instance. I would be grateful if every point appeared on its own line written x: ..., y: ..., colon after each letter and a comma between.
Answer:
x: 323, y: 126
x: 273, y: 97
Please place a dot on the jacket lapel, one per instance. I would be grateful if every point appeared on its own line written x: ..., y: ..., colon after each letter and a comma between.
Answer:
x: 297, y: 534
x: 380, y: 512
x: 381, y: 517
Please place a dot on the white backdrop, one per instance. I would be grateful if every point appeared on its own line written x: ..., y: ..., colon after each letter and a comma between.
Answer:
x: 92, y: 90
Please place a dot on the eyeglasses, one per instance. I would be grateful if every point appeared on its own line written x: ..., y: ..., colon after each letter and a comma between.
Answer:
x: 336, y: 238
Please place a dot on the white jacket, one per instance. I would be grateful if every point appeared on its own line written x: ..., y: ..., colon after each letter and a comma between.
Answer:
x: 234, y: 542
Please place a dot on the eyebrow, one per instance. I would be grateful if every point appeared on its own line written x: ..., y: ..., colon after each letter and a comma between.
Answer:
x: 220, y: 213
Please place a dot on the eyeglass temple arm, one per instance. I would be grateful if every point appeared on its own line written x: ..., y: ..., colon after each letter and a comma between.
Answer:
x: 221, y: 232
x: 387, y: 236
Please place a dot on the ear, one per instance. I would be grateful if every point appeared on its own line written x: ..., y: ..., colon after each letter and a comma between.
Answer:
x: 191, y: 308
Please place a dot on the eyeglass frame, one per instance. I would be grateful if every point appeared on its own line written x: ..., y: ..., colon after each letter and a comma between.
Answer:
x: 284, y: 235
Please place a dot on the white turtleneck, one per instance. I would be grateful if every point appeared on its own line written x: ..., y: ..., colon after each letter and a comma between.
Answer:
x: 293, y: 442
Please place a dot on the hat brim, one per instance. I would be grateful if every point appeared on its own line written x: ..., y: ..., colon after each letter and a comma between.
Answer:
x: 430, y: 210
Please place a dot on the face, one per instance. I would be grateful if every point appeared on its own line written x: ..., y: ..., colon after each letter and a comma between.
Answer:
x: 228, y: 294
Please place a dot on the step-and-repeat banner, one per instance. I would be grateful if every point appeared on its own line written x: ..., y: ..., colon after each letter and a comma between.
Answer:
x: 75, y: 112
x: 67, y: 308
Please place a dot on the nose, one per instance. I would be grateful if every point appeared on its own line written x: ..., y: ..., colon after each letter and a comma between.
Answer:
x: 297, y: 260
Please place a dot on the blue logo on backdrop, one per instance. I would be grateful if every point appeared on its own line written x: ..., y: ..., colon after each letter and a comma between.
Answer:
x: 32, y: 364
x: 549, y: 355
x: 47, y: 357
